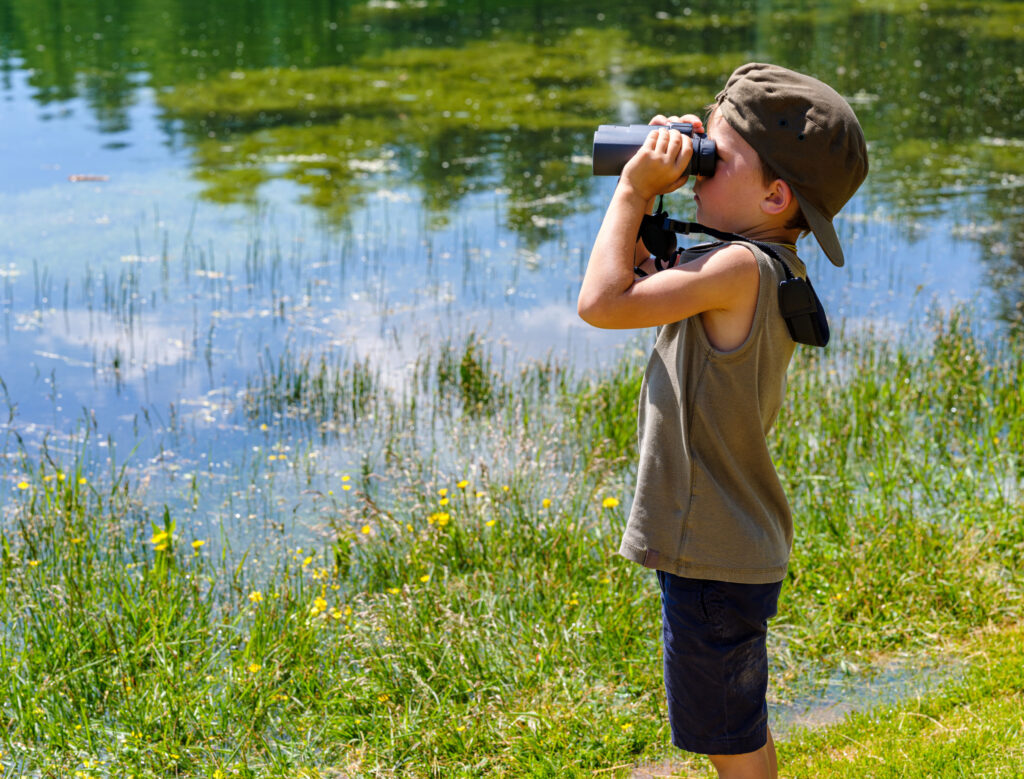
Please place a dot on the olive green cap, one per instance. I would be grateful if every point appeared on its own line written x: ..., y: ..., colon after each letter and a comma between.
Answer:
x: 807, y: 133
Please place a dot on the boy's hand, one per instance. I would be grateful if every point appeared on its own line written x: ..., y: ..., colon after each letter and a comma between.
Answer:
x: 659, y: 165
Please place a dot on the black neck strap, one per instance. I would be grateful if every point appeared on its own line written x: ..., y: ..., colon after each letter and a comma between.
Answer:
x: 685, y: 228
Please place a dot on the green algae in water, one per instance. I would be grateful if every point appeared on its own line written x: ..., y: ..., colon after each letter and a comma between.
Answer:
x: 503, y: 114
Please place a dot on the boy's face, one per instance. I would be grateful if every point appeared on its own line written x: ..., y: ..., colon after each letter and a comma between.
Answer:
x: 731, y: 199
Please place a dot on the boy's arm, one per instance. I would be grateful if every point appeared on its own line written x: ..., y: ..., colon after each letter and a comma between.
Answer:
x: 723, y: 282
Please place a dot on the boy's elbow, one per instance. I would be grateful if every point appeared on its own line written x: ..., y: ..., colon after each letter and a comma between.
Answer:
x: 587, y: 309
x: 592, y: 312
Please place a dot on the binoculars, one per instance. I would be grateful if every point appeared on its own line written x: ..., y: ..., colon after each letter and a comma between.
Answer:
x: 615, y: 145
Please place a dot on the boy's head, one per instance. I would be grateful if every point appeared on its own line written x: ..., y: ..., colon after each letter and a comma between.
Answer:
x: 806, y: 133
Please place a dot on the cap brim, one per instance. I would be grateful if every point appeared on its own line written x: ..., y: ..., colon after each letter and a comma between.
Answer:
x: 823, y: 231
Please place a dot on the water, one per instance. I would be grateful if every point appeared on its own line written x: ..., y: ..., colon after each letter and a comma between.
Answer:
x: 192, y: 191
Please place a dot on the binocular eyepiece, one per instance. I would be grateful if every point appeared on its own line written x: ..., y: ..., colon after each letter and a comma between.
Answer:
x: 615, y: 145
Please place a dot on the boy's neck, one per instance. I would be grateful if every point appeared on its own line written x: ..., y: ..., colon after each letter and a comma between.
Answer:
x: 774, y: 234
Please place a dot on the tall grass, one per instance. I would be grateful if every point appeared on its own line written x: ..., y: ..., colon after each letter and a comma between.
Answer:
x: 466, y: 615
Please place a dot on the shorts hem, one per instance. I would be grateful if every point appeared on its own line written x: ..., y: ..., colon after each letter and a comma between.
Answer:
x: 730, y: 747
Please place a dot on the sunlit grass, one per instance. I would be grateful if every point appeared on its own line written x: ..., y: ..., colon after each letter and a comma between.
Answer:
x: 464, y: 613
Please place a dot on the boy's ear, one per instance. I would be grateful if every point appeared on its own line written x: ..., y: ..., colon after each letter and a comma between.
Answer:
x: 778, y: 198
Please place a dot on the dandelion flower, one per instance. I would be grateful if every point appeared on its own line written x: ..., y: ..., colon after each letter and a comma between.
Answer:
x: 346, y: 487
x: 394, y: 590
x: 159, y: 538
x: 383, y: 698
x: 443, y: 491
x: 504, y: 488
x: 254, y: 668
x: 83, y: 480
x: 76, y: 540
x: 33, y: 563
x: 480, y: 493
x: 346, y: 477
x: 462, y: 484
x: 610, y: 503
x: 490, y: 522
x: 256, y: 596
x: 425, y: 578
x: 367, y: 530
x: 22, y: 485
x: 197, y: 543
x: 444, y: 501
x: 307, y: 561
x: 546, y: 503
x: 320, y: 603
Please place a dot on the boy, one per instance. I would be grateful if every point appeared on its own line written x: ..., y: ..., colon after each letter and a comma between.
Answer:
x: 709, y: 514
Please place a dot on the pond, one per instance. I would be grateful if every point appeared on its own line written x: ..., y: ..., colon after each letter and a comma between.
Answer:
x: 199, y: 196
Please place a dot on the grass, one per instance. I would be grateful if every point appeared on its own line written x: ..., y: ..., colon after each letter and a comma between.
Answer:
x: 465, y: 613
x: 974, y: 727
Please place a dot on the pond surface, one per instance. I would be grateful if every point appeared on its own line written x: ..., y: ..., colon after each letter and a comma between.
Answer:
x: 193, y: 192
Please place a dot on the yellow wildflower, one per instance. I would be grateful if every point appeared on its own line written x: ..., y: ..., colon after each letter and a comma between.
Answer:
x: 254, y: 667
x: 425, y: 578
x: 546, y: 503
x: 490, y: 522
x: 443, y: 491
x: 256, y: 596
x: 394, y: 590
x: 197, y: 543
x: 367, y: 530
x: 383, y: 697
x: 610, y: 503
x: 462, y: 484
x: 159, y: 538
x: 22, y: 485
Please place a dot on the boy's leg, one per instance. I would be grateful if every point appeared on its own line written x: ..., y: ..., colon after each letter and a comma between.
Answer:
x: 716, y: 670
x: 761, y: 764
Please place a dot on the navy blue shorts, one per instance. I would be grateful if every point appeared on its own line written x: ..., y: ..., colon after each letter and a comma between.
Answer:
x: 716, y: 662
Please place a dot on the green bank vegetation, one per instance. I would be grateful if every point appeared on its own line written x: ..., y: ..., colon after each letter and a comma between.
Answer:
x: 469, y: 617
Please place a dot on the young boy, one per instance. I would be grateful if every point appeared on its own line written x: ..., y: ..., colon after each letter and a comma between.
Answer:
x: 709, y: 514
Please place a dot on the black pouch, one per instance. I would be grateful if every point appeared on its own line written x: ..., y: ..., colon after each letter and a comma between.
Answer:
x: 803, y: 312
